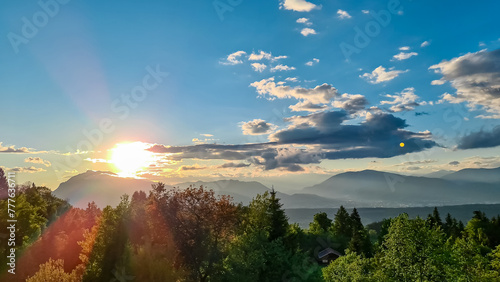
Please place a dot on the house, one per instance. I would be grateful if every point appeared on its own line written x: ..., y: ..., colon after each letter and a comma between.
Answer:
x: 328, y: 255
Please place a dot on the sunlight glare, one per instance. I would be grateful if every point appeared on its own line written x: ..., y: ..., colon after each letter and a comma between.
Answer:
x: 131, y: 158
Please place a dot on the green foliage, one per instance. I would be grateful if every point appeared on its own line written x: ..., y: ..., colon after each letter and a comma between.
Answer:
x: 4, y: 185
x: 349, y: 268
x: 110, y: 250
x: 192, y: 235
x: 412, y: 251
x: 342, y: 223
x: 321, y: 223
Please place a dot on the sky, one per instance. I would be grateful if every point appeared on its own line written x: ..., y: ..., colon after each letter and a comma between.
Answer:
x: 283, y: 92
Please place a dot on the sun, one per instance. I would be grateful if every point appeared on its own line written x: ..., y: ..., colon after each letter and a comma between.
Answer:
x: 131, y: 158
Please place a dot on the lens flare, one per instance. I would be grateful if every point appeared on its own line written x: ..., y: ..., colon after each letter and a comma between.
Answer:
x: 131, y: 158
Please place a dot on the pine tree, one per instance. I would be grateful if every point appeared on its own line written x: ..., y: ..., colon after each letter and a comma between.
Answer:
x: 279, y: 220
x: 342, y: 223
x: 356, y: 224
x: 435, y: 219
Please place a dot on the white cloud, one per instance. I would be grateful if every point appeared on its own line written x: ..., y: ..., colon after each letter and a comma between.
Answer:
x: 406, y: 100
x: 343, y: 14
x: 476, y: 77
x: 404, y: 48
x: 260, y: 56
x: 258, y: 67
x: 233, y: 59
x: 380, y: 74
x: 298, y: 5
x: 312, y: 62
x: 403, y: 56
x: 264, y: 55
x: 282, y: 68
x: 291, y: 79
x: 365, y: 11
x: 438, y: 82
x: 321, y: 94
x: 304, y: 21
x: 37, y: 160
x: 425, y: 44
x: 257, y: 127
x: 307, y: 31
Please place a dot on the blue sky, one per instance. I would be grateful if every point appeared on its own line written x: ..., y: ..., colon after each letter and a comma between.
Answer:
x: 64, y: 77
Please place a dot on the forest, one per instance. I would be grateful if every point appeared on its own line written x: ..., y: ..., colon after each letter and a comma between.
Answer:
x: 194, y: 235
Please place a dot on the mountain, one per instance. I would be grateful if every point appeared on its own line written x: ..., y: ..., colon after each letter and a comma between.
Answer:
x: 244, y: 192
x: 382, y: 189
x: 438, y: 174
x: 104, y: 188
x: 482, y: 175
x: 368, y: 188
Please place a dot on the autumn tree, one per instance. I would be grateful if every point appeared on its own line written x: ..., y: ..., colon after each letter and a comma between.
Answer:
x: 202, y: 225
x: 4, y: 184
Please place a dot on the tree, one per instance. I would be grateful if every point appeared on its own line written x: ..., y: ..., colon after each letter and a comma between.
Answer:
x: 469, y: 261
x: 342, y: 223
x: 110, y: 250
x: 321, y: 223
x: 360, y: 241
x: 202, y: 226
x: 435, y: 219
x: 351, y: 267
x: 279, y: 220
x: 412, y: 251
x: 265, y: 213
x: 53, y: 271
x: 4, y: 185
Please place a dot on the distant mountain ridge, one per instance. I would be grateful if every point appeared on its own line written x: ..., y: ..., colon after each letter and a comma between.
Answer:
x: 102, y: 187
x: 367, y: 188
x: 482, y: 175
x: 383, y: 189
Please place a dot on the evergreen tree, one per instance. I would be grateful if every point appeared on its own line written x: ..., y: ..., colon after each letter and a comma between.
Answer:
x: 360, y: 241
x: 434, y: 219
x: 279, y: 220
x: 356, y: 224
x: 342, y: 223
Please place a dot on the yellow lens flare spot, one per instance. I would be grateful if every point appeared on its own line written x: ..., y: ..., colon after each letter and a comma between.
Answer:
x: 401, y: 144
x: 131, y: 158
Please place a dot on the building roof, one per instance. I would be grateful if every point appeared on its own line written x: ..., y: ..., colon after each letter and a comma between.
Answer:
x: 327, y: 252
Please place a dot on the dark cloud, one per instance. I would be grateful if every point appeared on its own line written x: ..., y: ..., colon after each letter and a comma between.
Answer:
x: 30, y: 169
x: 191, y: 167
x: 454, y: 163
x: 351, y: 103
x: 481, y: 139
x: 235, y: 165
x: 312, y: 138
x: 257, y: 127
x: 294, y: 168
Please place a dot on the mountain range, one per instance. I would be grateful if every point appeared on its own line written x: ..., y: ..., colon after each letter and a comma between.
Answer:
x: 367, y: 188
